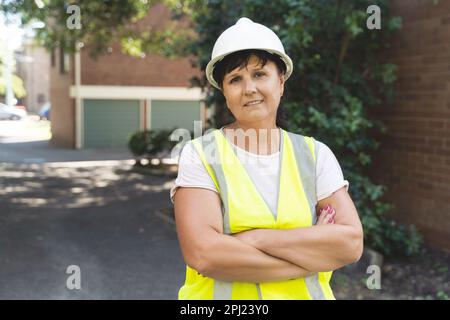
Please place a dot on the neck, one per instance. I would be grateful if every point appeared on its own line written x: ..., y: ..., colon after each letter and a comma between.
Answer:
x: 255, y: 126
x: 255, y: 139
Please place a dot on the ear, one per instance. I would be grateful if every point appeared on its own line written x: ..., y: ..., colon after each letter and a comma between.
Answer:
x: 282, y: 83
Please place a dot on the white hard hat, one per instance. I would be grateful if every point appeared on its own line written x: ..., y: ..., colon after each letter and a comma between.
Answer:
x: 246, y: 34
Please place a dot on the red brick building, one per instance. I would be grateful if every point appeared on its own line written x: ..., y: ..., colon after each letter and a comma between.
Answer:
x: 99, y: 103
x: 414, y: 160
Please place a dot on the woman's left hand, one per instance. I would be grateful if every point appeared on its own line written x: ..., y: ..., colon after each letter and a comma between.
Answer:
x: 250, y: 237
x: 326, y: 216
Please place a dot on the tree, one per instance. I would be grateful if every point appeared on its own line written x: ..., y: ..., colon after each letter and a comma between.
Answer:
x: 99, y: 24
x: 17, y: 86
x: 16, y: 82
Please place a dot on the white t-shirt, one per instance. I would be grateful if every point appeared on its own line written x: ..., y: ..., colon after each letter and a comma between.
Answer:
x: 263, y: 170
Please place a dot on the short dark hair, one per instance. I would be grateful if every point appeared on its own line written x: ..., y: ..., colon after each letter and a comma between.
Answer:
x: 240, y: 59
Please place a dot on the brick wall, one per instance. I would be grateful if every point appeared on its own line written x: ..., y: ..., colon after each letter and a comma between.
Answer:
x: 414, y: 158
x: 63, y: 107
x: 116, y: 68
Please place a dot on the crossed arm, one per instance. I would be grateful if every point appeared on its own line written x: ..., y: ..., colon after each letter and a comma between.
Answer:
x: 264, y: 255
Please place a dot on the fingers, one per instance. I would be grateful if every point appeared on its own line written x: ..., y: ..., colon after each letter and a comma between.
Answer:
x: 326, y: 216
x: 322, y: 215
x: 331, y: 214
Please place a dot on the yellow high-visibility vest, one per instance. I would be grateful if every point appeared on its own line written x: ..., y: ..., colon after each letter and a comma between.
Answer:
x: 244, y: 208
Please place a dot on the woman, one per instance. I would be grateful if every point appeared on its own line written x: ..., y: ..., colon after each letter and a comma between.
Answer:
x: 246, y: 195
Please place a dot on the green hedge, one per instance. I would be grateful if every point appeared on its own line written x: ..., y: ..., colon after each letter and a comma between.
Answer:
x: 149, y: 143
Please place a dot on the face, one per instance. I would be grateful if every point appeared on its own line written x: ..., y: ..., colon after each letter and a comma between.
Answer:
x: 262, y: 85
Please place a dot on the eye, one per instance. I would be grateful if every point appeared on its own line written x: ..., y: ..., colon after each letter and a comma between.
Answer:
x: 233, y: 80
x: 259, y: 74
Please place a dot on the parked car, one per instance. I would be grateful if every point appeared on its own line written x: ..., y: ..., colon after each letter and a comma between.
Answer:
x: 19, y: 106
x: 44, y: 112
x: 11, y: 113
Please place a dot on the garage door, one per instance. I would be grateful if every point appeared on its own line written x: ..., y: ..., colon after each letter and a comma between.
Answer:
x: 170, y: 114
x: 109, y: 123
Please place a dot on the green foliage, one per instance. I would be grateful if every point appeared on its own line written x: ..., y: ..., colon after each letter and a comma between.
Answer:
x: 149, y: 143
x: 339, y: 280
x: 17, y: 82
x: 103, y: 22
x: 442, y: 295
x: 442, y: 268
x: 338, y: 76
x: 17, y: 86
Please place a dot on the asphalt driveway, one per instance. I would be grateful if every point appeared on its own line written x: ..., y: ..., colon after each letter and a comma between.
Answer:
x: 65, y: 210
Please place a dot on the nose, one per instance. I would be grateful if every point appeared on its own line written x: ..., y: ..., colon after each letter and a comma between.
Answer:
x: 249, y: 86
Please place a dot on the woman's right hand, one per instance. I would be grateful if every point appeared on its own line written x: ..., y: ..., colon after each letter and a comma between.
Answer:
x: 326, y: 216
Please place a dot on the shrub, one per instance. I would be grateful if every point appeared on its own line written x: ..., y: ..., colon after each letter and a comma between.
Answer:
x: 151, y: 143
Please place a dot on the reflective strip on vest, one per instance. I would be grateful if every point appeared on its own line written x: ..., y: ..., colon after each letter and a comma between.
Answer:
x: 244, y: 208
x: 206, y: 147
x: 307, y: 168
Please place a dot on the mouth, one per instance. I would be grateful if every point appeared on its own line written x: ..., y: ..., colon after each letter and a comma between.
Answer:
x: 253, y: 103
